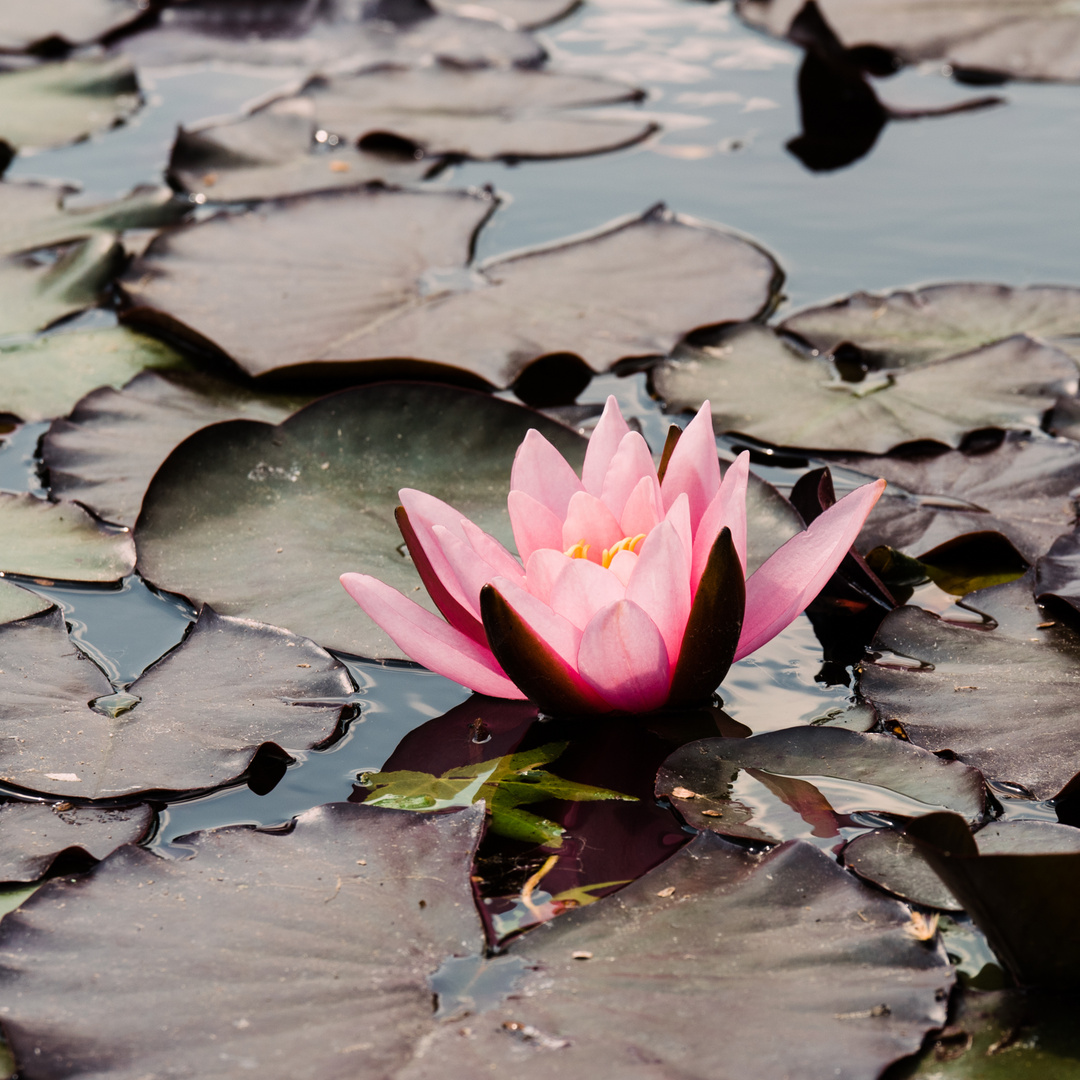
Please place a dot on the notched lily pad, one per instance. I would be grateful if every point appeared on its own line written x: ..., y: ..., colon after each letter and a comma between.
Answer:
x: 105, y: 453
x: 47, y: 376
x: 33, y: 835
x: 764, y: 388
x: 195, y: 719
x: 331, y: 931
x: 58, y: 103
x: 61, y: 541
x: 1003, y: 699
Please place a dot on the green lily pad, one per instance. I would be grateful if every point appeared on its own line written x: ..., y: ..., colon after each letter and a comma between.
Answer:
x: 60, y: 541
x: 312, y: 950
x: 1002, y: 699
x: 16, y: 603
x: 1022, y: 39
x: 892, y: 861
x: 35, y: 295
x: 195, y: 719
x: 505, y: 784
x: 47, y: 376
x: 33, y: 835
x: 54, y: 104
x: 34, y: 215
x: 105, y: 453
x: 762, y: 387
x: 68, y: 22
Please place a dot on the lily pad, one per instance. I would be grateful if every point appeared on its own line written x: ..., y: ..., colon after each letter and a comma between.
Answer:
x: 1020, y: 897
x: 105, y: 453
x: 33, y: 835
x: 47, y: 376
x: 1057, y: 576
x: 58, y: 103
x: 525, y: 14
x: 312, y: 950
x: 1002, y: 699
x: 35, y: 295
x: 46, y: 23
x: 195, y: 719
x: 892, y: 861
x: 907, y: 327
x: 1025, y: 39
x: 61, y: 541
x: 16, y: 603
x: 767, y: 390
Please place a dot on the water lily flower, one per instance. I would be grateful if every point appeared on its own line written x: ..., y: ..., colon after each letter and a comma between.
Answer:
x: 630, y: 594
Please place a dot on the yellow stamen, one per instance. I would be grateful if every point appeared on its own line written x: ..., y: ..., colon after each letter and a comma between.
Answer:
x: 580, y: 550
x: 627, y: 543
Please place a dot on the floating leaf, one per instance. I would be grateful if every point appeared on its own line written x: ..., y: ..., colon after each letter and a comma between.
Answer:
x: 330, y: 931
x: 1033, y: 39
x: 505, y: 784
x: 889, y: 859
x: 765, y: 389
x: 526, y: 14
x: 61, y: 541
x: 106, y: 452
x: 1057, y: 576
x: 195, y: 719
x: 32, y: 835
x: 43, y: 24
x: 16, y: 603
x: 47, y: 376
x: 54, y: 104
x: 1003, y: 699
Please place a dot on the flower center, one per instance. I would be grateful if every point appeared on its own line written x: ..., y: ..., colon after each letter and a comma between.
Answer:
x: 580, y: 550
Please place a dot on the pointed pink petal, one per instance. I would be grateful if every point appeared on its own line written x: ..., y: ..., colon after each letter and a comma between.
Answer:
x: 643, y: 510
x: 425, y: 511
x: 471, y: 572
x: 632, y: 462
x: 792, y: 576
x: 492, y: 552
x: 660, y: 586
x: 543, y: 568
x: 622, y: 565
x: 588, y: 519
x: 624, y: 658
x: 728, y: 508
x: 603, y: 443
x: 429, y: 640
x: 560, y: 635
x: 535, y: 526
x: 582, y: 589
x: 694, y: 467
x: 679, y: 518
x: 542, y: 472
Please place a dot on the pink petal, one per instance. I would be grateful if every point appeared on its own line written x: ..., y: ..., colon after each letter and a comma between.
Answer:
x: 792, y: 576
x: 542, y: 472
x: 603, y: 443
x: 543, y: 568
x: 557, y: 633
x: 535, y: 526
x: 694, y: 467
x: 429, y: 640
x: 425, y: 511
x: 660, y: 586
x: 727, y: 508
x: 632, y: 463
x: 582, y: 589
x: 492, y: 552
x: 679, y: 518
x: 588, y: 519
x: 643, y: 510
x: 624, y: 658
x: 622, y: 565
x: 471, y: 572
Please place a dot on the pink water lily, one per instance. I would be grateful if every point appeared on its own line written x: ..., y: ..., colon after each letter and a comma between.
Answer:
x: 630, y: 594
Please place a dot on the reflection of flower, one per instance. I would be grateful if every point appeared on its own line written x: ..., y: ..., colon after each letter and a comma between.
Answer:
x: 632, y: 593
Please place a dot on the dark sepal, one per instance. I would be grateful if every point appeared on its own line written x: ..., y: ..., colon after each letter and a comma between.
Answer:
x: 673, y: 435
x: 714, y: 626
x: 455, y: 614
x: 528, y: 663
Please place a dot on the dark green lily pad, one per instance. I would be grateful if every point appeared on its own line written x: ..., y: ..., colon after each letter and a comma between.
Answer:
x: 1020, y: 893
x: 32, y: 835
x: 1003, y: 699
x: 45, y: 23
x: 603, y: 298
x: 312, y: 950
x: 55, y: 104
x: 35, y: 295
x: 1022, y: 488
x: 47, y: 376
x: 105, y: 453
x: 762, y: 387
x: 1030, y: 39
x: 61, y: 541
x: 16, y: 603
x: 34, y: 215
x: 195, y: 719
x: 889, y: 859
